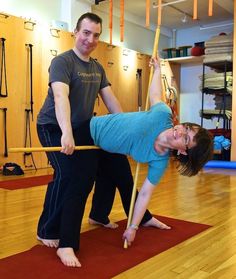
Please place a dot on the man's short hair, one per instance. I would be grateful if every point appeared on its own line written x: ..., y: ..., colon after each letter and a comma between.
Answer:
x: 91, y: 16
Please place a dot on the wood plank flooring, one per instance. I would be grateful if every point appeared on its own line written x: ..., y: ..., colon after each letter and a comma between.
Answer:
x: 209, y: 197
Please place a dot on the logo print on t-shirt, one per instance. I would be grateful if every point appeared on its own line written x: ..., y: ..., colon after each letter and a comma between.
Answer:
x: 90, y: 77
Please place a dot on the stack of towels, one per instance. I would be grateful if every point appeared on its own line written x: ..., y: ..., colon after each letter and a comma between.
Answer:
x: 219, y: 48
x: 216, y: 81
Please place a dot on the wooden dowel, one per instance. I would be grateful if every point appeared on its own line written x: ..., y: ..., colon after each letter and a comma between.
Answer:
x: 110, y: 19
x: 48, y: 149
x: 132, y: 202
x: 159, y: 12
x: 147, y: 13
x: 154, y: 54
x: 210, y: 8
x: 194, y: 9
x: 122, y: 7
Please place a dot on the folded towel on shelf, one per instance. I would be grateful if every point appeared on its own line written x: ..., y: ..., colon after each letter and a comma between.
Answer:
x: 209, y: 113
x: 217, y: 81
x: 218, y: 49
x: 217, y: 75
x: 209, y: 58
x: 220, y: 40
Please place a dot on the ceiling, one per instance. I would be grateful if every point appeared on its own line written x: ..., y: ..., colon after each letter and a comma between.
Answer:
x: 174, y: 13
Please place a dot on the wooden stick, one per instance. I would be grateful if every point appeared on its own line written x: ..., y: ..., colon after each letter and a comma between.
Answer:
x: 210, y: 8
x: 110, y: 19
x: 48, y: 149
x: 154, y: 54
x: 147, y: 13
x: 132, y: 202
x: 159, y: 13
x: 194, y: 9
x: 122, y: 7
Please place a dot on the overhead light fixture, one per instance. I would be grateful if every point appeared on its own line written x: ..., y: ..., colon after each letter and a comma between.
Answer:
x: 155, y: 5
x: 184, y: 18
x: 215, y: 26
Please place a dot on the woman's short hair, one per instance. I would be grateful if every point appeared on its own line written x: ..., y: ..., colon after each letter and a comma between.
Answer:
x: 198, y: 155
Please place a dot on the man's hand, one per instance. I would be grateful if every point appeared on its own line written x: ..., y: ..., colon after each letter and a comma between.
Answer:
x: 67, y: 143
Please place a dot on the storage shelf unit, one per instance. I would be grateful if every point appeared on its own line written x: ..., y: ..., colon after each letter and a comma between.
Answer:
x: 222, y: 67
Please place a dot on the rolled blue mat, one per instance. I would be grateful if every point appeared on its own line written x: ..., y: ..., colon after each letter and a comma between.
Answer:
x: 221, y: 164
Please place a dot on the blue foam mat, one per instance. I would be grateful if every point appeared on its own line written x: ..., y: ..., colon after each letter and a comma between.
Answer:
x: 221, y: 164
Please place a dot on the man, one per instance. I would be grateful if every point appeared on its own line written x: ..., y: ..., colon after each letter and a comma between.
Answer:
x: 75, y: 80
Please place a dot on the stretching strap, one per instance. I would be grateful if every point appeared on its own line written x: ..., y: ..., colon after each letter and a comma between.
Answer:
x: 28, y: 140
x: 30, y: 47
x: 5, y: 131
x: 139, y: 77
x: 3, y: 69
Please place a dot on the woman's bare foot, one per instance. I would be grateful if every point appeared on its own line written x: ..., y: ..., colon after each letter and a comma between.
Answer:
x: 68, y: 257
x: 53, y: 243
x: 156, y: 223
x: 109, y: 225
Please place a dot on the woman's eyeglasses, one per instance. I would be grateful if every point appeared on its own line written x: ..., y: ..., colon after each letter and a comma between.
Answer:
x: 186, y: 136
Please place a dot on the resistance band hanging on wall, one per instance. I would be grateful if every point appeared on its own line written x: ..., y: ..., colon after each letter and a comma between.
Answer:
x: 30, y: 53
x: 139, y: 77
x: 5, y: 131
x: 28, y: 140
x: 28, y: 111
x: 3, y: 69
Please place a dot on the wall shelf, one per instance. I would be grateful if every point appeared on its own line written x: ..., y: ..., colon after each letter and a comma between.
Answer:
x: 186, y: 60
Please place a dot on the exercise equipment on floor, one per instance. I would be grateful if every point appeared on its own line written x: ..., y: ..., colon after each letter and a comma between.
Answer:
x: 221, y: 164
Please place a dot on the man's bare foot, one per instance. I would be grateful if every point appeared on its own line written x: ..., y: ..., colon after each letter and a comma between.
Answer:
x: 53, y: 243
x: 156, y: 223
x: 109, y: 225
x: 68, y: 257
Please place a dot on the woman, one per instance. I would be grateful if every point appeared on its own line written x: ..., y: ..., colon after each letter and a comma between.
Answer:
x: 149, y: 137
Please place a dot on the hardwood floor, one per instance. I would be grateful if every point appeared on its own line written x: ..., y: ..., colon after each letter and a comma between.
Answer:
x: 209, y: 197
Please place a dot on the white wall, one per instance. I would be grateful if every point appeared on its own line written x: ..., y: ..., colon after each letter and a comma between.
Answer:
x: 136, y: 37
x: 190, y: 36
x: 40, y: 10
x: 47, y: 11
x: 77, y: 9
x: 191, y: 96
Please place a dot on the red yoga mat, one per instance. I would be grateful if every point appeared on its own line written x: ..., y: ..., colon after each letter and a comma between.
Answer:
x: 101, y: 253
x: 25, y: 182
